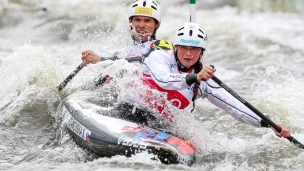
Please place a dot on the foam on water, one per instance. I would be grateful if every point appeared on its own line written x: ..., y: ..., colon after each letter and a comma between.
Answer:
x: 29, y: 75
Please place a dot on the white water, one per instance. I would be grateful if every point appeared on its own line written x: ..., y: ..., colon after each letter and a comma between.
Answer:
x: 258, y: 53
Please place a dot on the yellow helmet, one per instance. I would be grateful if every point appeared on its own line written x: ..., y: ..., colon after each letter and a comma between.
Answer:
x: 147, y: 8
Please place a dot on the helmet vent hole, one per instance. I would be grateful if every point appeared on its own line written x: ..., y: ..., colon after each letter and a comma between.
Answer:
x: 135, y: 5
x: 190, y: 33
x: 154, y: 3
x: 180, y: 34
x: 145, y: 3
x: 200, y: 36
x: 154, y: 7
x: 201, y: 31
x: 181, y: 28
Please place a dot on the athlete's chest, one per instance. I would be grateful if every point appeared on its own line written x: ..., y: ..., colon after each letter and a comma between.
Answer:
x: 136, y: 50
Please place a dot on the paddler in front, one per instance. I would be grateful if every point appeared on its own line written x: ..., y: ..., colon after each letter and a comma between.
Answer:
x: 180, y: 74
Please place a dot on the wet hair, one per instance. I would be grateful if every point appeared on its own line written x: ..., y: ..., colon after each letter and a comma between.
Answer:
x: 198, y: 66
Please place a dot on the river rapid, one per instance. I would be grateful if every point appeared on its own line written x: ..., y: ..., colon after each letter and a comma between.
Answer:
x: 257, y: 49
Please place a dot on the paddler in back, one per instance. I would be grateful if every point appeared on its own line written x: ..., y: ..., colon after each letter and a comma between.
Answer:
x: 144, y: 19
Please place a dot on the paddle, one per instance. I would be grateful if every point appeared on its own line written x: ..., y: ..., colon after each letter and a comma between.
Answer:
x: 70, y: 77
x: 261, y: 115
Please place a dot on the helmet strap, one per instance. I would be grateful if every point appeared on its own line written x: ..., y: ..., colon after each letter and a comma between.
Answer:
x: 182, y: 67
x: 201, y: 54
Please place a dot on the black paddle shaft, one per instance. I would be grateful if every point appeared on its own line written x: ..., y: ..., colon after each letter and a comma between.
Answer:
x: 72, y: 75
x: 64, y: 82
x: 261, y: 115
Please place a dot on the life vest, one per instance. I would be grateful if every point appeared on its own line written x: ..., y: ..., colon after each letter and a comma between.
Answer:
x: 160, y: 45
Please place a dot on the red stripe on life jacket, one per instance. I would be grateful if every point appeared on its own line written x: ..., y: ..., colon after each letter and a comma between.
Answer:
x: 174, y: 96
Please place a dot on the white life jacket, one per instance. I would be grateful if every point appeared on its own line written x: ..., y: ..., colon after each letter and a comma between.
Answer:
x: 160, y: 71
x: 135, y: 50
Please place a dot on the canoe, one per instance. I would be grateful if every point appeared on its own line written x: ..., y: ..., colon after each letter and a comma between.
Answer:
x: 90, y: 125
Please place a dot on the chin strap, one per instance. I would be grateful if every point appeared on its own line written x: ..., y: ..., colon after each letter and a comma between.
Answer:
x: 182, y: 67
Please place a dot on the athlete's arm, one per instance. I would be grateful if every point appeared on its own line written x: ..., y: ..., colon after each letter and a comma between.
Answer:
x: 158, y: 65
x: 90, y: 57
x: 222, y: 99
x: 129, y: 59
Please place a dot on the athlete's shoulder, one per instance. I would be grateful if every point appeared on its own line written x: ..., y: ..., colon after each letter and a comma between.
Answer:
x: 167, y: 53
x: 162, y: 45
x: 161, y: 56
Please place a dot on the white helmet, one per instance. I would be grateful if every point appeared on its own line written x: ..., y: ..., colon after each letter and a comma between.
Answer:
x: 190, y: 34
x: 148, y: 8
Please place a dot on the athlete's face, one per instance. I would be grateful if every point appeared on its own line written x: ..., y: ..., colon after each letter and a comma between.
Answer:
x: 144, y: 27
x: 188, y: 55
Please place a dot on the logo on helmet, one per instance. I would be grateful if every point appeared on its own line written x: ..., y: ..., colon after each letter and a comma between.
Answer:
x: 143, y: 11
x: 190, y: 41
x: 191, y: 27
